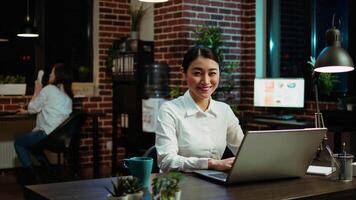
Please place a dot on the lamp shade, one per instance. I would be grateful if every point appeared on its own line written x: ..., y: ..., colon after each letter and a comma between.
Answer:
x: 28, y: 31
x: 333, y: 58
x: 153, y: 1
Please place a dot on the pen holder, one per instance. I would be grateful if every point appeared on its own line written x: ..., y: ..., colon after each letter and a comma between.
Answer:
x: 342, y: 165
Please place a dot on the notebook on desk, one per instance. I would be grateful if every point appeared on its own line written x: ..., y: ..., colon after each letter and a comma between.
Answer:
x: 271, y: 154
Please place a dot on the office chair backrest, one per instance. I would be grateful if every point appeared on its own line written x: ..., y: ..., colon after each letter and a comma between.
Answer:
x: 60, y: 138
x: 152, y: 153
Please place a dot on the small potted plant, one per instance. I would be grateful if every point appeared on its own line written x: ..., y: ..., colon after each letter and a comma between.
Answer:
x: 134, y: 189
x: 125, y: 188
x: 327, y: 81
x: 12, y: 85
x: 83, y: 72
x: 136, y: 17
x: 119, y: 189
x: 166, y: 186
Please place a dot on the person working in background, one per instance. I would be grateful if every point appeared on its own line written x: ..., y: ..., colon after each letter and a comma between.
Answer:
x: 193, y: 130
x: 53, y: 104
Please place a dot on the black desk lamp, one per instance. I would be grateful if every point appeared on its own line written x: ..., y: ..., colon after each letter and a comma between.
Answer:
x: 332, y: 59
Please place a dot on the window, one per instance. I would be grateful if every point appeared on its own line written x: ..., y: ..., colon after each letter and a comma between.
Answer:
x: 288, y: 37
x: 65, y: 29
x: 294, y: 31
x: 68, y: 32
x: 17, y: 55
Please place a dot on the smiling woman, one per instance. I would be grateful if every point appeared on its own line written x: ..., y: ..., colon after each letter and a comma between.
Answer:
x: 193, y: 130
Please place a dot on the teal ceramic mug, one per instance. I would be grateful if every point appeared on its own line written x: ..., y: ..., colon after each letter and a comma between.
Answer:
x: 140, y: 167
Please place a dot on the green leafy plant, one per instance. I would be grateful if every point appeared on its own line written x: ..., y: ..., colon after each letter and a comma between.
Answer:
x: 174, y: 92
x: 83, y: 72
x: 134, y: 185
x: 119, y: 188
x: 12, y: 79
x: 326, y: 80
x: 124, y: 185
x: 226, y: 73
x: 211, y: 37
x: 83, y: 69
x: 164, y: 186
x: 136, y: 16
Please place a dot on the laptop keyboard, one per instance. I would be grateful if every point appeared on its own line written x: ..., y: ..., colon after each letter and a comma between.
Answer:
x: 219, y: 175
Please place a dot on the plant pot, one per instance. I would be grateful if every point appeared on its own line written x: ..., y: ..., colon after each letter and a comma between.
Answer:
x: 110, y: 197
x: 135, y: 196
x: 13, y: 89
x: 177, y: 195
x: 134, y: 35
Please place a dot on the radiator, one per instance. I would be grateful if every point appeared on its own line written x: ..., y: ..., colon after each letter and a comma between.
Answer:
x: 10, y: 128
x: 7, y: 155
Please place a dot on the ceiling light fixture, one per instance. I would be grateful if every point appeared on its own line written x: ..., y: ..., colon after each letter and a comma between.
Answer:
x: 28, y: 30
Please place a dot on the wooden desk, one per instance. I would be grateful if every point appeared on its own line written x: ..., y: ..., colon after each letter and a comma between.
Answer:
x: 13, y: 125
x: 308, y: 187
x: 10, y: 123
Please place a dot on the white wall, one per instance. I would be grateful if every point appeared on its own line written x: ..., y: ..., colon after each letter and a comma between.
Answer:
x: 146, y: 28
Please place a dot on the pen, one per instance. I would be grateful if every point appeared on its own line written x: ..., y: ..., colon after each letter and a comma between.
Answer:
x: 343, y: 166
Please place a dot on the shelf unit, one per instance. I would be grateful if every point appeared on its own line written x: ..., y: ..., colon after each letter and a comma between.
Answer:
x: 127, y: 86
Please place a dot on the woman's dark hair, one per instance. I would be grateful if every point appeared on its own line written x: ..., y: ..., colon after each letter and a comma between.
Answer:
x: 64, y: 77
x: 196, y: 51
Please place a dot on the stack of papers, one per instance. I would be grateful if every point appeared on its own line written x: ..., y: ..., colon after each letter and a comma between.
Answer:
x: 319, y: 170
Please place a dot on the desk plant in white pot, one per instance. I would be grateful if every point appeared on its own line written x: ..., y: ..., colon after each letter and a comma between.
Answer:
x: 12, y: 85
x: 125, y: 188
x: 166, y: 186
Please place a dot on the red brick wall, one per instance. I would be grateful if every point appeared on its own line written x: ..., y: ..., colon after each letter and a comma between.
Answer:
x: 176, y: 20
x: 114, y: 23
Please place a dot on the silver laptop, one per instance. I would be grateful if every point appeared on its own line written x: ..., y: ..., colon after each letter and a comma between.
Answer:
x: 271, y: 154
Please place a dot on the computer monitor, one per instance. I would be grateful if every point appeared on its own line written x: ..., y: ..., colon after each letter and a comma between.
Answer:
x: 279, y: 92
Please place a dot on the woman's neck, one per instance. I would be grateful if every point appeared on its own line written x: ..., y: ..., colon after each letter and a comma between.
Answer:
x: 202, y: 103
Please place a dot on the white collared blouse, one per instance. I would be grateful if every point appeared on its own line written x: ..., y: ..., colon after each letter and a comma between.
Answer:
x: 186, y: 136
x: 53, y: 107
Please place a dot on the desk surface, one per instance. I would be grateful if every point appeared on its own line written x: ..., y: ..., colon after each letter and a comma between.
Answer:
x: 313, y: 187
x: 9, y: 117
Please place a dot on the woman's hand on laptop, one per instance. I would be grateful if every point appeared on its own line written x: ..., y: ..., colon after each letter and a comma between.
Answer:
x: 221, y: 165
